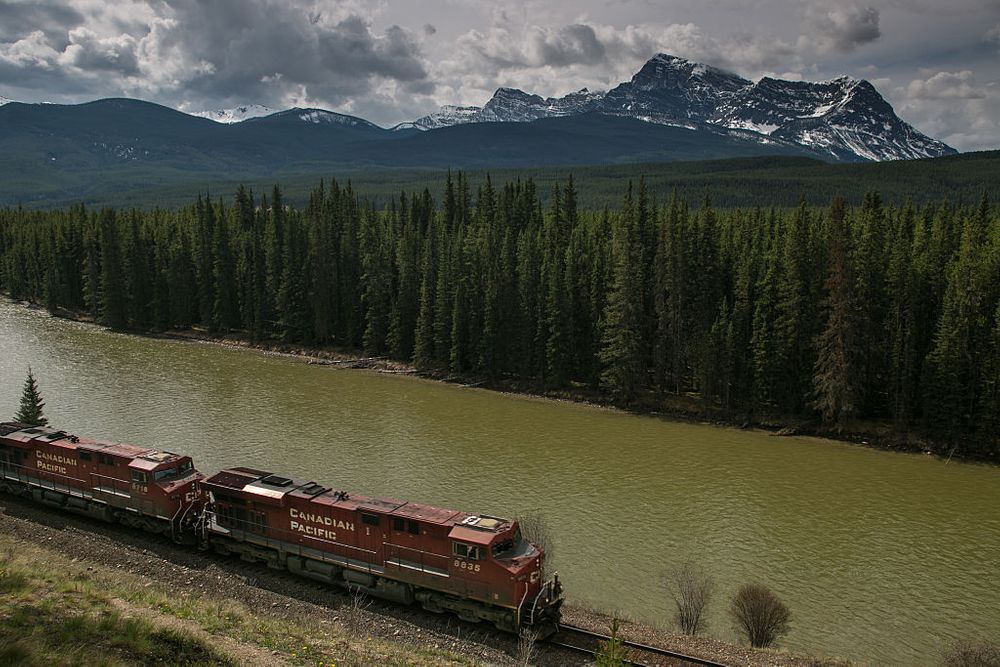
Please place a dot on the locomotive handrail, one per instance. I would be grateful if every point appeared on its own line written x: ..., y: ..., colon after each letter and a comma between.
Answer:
x: 534, y: 605
x: 520, y: 605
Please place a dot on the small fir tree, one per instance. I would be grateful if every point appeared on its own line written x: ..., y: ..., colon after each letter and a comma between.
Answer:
x: 611, y: 652
x: 30, y: 411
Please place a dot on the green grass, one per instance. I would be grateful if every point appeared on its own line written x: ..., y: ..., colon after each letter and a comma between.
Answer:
x: 53, y: 612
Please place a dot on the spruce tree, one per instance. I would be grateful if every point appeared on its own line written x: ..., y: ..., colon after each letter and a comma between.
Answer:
x: 836, y: 372
x: 112, y: 301
x: 30, y: 411
x: 621, y: 349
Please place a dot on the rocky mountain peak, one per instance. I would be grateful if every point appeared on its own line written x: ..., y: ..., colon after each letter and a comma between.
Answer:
x: 845, y: 118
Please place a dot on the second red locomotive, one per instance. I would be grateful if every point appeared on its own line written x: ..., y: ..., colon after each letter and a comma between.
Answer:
x: 137, y: 486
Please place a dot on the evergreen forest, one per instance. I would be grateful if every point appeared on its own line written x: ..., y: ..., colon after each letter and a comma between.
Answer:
x: 871, y: 312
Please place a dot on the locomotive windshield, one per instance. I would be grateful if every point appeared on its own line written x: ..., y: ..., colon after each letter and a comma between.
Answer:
x: 177, y: 471
x: 510, y: 546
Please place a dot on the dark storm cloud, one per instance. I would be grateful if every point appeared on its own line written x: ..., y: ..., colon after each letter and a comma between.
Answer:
x: 209, y: 53
x: 91, y: 53
x: 843, y: 27
x: 267, y: 51
x: 54, y: 20
x: 577, y: 43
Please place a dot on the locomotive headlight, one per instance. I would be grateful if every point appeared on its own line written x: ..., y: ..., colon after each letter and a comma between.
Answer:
x: 535, y: 576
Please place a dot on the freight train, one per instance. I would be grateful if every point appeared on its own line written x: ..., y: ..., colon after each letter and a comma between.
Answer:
x: 476, y: 566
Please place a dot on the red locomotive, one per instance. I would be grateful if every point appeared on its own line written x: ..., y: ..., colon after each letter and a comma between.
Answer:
x: 477, y: 566
x: 144, y: 488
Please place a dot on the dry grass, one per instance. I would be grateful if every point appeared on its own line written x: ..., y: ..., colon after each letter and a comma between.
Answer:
x: 57, y: 611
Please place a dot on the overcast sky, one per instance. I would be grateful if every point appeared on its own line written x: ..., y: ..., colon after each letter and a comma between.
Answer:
x: 936, y: 61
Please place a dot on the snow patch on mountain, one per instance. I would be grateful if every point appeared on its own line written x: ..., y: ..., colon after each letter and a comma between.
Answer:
x: 4, y: 100
x: 447, y: 116
x: 321, y: 116
x: 236, y: 114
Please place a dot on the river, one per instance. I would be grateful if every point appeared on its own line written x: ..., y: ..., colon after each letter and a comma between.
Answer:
x: 881, y: 557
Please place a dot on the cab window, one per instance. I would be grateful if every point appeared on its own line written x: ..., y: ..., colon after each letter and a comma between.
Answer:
x: 139, y: 477
x: 465, y: 550
x: 165, y: 473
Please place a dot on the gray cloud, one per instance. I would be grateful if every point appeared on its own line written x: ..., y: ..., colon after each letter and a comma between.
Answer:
x: 954, y: 107
x: 843, y: 27
x: 87, y: 51
x: 576, y: 43
x: 20, y: 18
x: 993, y: 34
x: 196, y: 53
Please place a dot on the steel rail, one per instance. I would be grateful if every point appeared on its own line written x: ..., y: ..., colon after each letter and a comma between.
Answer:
x: 556, y: 640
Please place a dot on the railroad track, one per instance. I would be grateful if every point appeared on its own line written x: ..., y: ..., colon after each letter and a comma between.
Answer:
x: 584, y: 641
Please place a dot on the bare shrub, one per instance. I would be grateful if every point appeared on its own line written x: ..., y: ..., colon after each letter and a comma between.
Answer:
x: 973, y: 654
x: 534, y: 528
x: 691, y: 589
x: 759, y: 614
x: 527, y: 652
x: 354, y: 614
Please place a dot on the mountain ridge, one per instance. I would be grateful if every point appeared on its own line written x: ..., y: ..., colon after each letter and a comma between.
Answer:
x: 844, y: 117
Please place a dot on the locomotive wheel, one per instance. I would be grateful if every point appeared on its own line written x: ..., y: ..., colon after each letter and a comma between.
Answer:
x: 431, y: 606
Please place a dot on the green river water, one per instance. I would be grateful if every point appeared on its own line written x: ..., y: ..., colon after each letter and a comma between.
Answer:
x: 883, y: 558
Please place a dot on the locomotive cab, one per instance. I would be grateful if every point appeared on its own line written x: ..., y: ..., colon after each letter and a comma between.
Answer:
x: 497, y: 548
x: 168, y: 486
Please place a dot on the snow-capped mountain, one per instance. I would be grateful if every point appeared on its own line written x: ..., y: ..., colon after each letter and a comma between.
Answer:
x: 236, y: 114
x: 4, y: 100
x: 845, y: 118
x: 508, y: 105
x: 447, y: 116
x: 320, y: 117
x: 512, y: 105
x: 672, y: 91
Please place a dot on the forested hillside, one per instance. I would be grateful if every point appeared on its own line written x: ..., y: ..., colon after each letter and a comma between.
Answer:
x: 757, y: 181
x: 877, y: 312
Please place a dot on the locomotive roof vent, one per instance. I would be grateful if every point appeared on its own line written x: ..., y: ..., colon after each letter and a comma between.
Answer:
x: 274, y: 480
x: 11, y: 427
x: 483, y: 522
x: 157, y: 457
x: 313, y: 489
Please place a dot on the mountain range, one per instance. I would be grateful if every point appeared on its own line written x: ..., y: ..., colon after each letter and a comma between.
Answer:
x: 672, y: 109
x: 844, y: 119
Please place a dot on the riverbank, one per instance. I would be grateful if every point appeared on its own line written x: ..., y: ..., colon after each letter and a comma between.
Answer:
x: 687, y: 408
x: 66, y: 580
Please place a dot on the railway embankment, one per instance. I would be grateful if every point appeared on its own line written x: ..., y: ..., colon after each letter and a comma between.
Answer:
x: 76, y: 591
